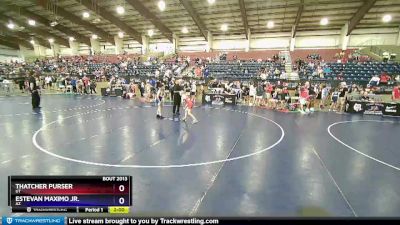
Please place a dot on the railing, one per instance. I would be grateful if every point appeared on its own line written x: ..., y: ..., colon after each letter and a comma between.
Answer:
x: 376, y: 50
x: 374, y: 46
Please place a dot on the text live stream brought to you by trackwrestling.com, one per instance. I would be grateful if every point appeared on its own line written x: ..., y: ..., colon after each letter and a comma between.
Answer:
x: 103, y: 220
x: 52, y: 220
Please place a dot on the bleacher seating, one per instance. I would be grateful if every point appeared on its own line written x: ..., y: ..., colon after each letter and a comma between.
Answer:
x: 351, y: 71
x: 243, y: 55
x: 354, y: 72
x: 90, y: 68
x: 236, y: 70
x: 261, y: 54
x: 326, y: 54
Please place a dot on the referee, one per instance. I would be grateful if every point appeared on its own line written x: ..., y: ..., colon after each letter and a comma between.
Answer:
x: 177, y: 98
x: 34, y: 88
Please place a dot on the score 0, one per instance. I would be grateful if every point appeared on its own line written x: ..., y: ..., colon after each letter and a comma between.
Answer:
x: 121, y: 189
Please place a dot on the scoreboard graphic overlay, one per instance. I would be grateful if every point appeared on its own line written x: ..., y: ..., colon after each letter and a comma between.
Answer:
x: 91, y: 194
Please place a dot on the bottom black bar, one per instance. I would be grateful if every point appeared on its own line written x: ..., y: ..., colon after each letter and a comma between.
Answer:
x: 241, y: 221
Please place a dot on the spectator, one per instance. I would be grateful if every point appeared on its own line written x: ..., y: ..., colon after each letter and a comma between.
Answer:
x: 396, y: 93
x: 260, y: 94
x: 252, y: 94
x: 283, y: 76
x: 334, y: 99
x: 384, y: 79
x: 342, y: 97
x: 365, y: 96
x: 324, y: 96
x: 304, y: 99
x: 93, y: 87
x: 73, y: 84
x: 374, y: 81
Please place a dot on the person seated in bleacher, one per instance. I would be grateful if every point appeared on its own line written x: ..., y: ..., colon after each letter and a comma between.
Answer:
x: 354, y: 90
x: 283, y: 76
x: 340, y: 76
x: 313, y: 74
x: 374, y: 81
x: 245, y: 72
x: 277, y: 72
x: 384, y: 78
x: 327, y: 70
x: 275, y: 58
x: 157, y: 73
x: 364, y: 96
x: 320, y: 72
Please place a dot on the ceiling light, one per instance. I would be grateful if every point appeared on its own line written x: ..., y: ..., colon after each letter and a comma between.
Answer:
x: 224, y: 27
x: 386, y: 18
x: 32, y: 42
x: 161, y: 5
x: 120, y: 9
x: 85, y: 15
x: 11, y: 25
x: 71, y: 38
x: 32, y: 22
x: 324, y: 21
x: 185, y: 30
x: 270, y: 24
x: 51, y: 40
x: 53, y: 23
x: 121, y: 34
x: 211, y: 2
x: 94, y: 37
x: 97, y: 20
x: 150, y: 33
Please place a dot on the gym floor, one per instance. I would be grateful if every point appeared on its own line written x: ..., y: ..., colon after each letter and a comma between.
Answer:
x: 237, y: 161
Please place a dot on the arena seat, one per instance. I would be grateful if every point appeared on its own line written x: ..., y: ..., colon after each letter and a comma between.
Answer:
x: 244, y: 70
x: 361, y: 71
x: 327, y: 55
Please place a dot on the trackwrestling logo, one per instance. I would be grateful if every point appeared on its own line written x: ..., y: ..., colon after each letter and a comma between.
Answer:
x: 33, y: 220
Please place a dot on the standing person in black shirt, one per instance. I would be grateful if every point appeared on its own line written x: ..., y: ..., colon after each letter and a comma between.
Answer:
x: 177, y: 98
x: 21, y: 84
x: 171, y: 89
x: 34, y: 91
